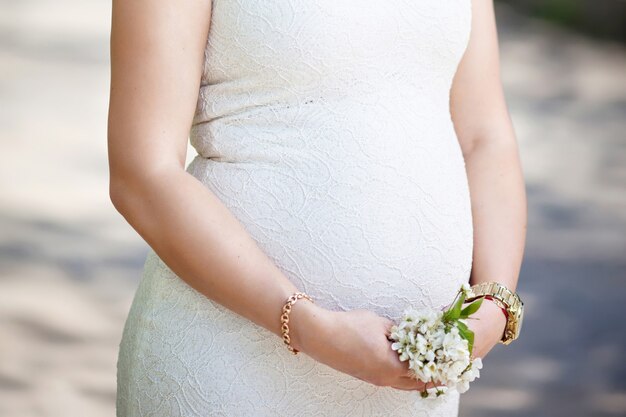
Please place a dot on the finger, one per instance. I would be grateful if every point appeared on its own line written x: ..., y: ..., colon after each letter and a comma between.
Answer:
x: 397, y: 366
x: 407, y: 389
x: 434, y: 384
x: 388, y: 325
x: 408, y: 384
x: 412, y: 384
x: 420, y: 385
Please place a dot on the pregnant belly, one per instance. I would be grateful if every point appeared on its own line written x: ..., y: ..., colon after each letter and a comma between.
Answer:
x: 356, y: 232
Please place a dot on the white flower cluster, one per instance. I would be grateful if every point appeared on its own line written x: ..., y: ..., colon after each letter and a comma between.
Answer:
x: 436, y: 351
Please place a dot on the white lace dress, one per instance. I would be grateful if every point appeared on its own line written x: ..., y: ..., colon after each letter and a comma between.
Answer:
x: 324, y: 126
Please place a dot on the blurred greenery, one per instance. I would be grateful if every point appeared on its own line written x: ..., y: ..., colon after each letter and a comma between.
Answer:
x: 601, y: 18
x: 562, y: 11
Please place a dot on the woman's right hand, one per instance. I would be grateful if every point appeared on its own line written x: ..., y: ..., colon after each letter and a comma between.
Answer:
x: 354, y: 342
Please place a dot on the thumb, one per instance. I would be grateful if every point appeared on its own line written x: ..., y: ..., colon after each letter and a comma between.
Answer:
x: 388, y: 325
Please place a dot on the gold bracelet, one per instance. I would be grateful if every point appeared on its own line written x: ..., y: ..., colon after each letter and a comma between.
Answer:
x: 284, y: 318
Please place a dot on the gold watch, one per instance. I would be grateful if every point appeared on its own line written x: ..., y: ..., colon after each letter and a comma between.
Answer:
x: 506, y: 299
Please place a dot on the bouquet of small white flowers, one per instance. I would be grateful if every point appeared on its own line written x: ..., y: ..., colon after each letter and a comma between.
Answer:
x: 438, y: 345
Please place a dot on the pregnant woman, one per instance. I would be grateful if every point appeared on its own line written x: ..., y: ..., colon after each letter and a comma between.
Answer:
x: 358, y: 152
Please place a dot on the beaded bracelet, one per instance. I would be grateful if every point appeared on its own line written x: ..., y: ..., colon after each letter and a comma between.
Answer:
x: 284, y: 318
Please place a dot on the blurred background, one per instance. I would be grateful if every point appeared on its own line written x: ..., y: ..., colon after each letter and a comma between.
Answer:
x: 69, y: 263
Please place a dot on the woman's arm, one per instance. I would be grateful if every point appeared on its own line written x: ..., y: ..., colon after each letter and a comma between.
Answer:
x: 498, y: 195
x: 157, y: 51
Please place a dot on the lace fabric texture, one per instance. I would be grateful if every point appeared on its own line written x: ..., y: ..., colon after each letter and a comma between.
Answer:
x: 324, y: 126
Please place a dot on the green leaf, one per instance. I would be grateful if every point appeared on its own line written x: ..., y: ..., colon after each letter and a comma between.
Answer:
x: 470, y: 342
x: 455, y: 311
x: 466, y: 334
x: 471, y: 309
x: 462, y: 326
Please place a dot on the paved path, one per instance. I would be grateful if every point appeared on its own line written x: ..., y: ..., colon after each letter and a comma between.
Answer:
x: 69, y: 264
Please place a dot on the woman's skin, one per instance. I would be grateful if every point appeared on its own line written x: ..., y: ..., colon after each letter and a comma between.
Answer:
x: 157, y: 52
x: 497, y: 189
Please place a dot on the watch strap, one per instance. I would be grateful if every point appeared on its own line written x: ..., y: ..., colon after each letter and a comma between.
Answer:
x: 503, y: 297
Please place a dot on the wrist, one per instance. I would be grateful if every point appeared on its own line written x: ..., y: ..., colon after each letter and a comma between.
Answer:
x: 306, y: 320
x: 497, y: 314
x: 490, y: 298
x: 511, y: 303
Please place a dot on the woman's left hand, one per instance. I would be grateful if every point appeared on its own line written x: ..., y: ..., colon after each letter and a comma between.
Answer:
x: 488, y: 325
